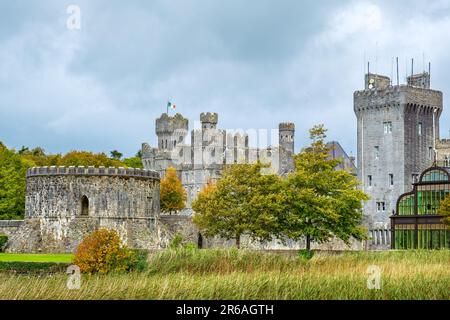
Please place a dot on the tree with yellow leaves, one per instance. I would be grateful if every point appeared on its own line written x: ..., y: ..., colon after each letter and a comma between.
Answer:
x: 172, y: 193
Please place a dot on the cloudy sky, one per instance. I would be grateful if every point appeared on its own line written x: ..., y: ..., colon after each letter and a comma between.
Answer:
x: 256, y: 63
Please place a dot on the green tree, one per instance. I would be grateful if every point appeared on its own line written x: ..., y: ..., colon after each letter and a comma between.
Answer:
x: 116, y: 155
x: 444, y: 210
x: 321, y: 201
x: 38, y: 158
x: 133, y: 162
x: 12, y: 184
x: 172, y: 193
x: 244, y: 201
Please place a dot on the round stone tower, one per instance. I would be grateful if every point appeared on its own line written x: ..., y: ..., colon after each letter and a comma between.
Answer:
x: 64, y: 204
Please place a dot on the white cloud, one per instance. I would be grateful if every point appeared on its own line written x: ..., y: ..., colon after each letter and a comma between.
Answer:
x: 355, y: 17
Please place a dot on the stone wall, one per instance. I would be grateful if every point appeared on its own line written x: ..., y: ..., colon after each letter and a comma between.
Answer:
x: 9, y: 227
x: 170, y: 225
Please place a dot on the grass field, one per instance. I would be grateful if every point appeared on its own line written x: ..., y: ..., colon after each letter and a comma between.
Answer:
x: 233, y: 274
x: 21, y: 257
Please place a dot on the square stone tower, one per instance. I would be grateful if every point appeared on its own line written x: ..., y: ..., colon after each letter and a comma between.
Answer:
x: 397, y: 126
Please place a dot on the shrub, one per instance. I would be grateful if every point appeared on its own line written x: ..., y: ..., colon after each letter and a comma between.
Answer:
x: 3, y: 241
x: 176, y: 241
x: 306, y: 254
x: 141, y: 260
x: 102, y: 251
x: 190, y: 246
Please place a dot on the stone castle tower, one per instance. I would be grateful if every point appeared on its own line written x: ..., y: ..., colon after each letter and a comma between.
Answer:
x: 286, y: 133
x: 171, y: 131
x: 397, y: 126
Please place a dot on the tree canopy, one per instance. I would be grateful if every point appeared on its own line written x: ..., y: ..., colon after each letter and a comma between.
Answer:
x: 172, y: 193
x: 321, y: 201
x: 243, y: 201
x: 12, y: 184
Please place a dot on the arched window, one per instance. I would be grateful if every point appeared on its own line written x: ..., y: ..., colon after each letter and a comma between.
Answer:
x: 406, y: 205
x: 434, y: 175
x: 84, y: 206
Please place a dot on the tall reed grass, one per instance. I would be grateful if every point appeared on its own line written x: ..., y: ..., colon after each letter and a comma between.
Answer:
x: 240, y: 274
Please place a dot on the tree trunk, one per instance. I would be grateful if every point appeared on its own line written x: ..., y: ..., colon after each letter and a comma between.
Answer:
x: 238, y: 241
x: 308, y: 242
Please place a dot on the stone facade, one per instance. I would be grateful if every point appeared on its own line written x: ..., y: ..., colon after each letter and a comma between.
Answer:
x: 443, y: 152
x: 209, y: 150
x: 395, y: 141
x: 10, y: 227
x: 63, y: 204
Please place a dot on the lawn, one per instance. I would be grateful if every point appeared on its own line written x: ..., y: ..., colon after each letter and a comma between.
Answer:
x: 240, y: 274
x: 29, y: 257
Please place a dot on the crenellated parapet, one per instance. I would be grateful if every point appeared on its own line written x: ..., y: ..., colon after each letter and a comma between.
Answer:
x: 168, y: 125
x: 286, y: 126
x: 92, y: 171
x: 209, y: 117
x: 397, y: 95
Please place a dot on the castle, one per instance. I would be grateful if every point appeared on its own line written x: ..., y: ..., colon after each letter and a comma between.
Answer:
x: 397, y: 138
x: 210, y: 149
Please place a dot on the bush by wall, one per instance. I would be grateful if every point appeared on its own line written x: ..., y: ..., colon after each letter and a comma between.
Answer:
x: 3, y: 241
x: 102, y: 251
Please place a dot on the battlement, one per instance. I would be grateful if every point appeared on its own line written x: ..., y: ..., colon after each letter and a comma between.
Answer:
x: 209, y: 117
x: 92, y: 171
x: 395, y: 95
x: 168, y: 124
x: 421, y: 80
x: 376, y: 81
x: 286, y: 126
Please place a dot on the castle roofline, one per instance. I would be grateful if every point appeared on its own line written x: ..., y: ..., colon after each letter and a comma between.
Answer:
x: 92, y: 171
x: 393, y: 89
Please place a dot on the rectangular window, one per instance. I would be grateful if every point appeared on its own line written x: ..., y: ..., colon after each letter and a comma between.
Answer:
x: 381, y: 206
x: 387, y: 126
x: 430, y: 153
x: 376, y: 152
x: 391, y: 179
x: 369, y: 180
x: 419, y: 129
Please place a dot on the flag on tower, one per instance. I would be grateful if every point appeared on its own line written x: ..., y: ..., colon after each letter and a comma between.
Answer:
x: 171, y: 105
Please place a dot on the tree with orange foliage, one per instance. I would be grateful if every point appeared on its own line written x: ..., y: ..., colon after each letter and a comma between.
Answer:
x: 172, y: 193
x: 102, y: 251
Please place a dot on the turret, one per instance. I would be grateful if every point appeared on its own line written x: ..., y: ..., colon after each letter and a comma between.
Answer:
x: 209, y: 120
x: 286, y: 132
x: 171, y: 130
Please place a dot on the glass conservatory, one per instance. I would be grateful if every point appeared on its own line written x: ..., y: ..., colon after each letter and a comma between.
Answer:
x: 416, y: 224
